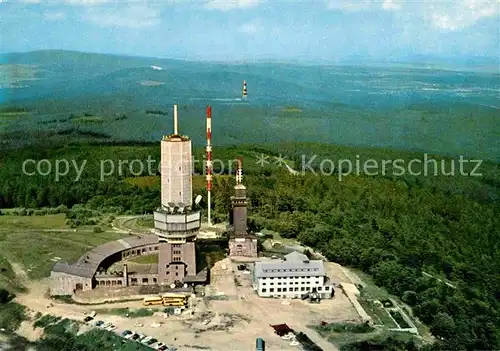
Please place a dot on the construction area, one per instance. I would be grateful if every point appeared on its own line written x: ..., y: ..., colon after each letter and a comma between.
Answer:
x: 229, y: 310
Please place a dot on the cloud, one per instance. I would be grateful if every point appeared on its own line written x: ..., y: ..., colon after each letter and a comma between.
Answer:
x: 350, y: 5
x: 54, y: 16
x: 450, y: 15
x: 134, y: 16
x: 86, y: 2
x: 227, y: 5
x: 249, y: 28
x: 461, y: 14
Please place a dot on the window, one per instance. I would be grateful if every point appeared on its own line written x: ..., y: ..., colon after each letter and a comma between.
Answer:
x: 176, y: 274
x: 263, y: 290
x: 145, y: 280
x: 302, y: 288
x: 271, y: 290
x: 263, y: 283
x: 279, y: 283
x: 155, y: 280
x: 119, y: 282
x: 279, y: 289
x: 156, y: 248
x: 133, y: 281
x: 284, y: 290
x: 296, y: 289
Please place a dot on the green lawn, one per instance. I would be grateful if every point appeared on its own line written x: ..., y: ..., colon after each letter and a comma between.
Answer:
x: 23, y: 240
x: 56, y: 221
x: 379, y: 314
x: 149, y: 259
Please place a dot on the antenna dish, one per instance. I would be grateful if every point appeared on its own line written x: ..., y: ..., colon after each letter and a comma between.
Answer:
x: 198, y: 199
x: 171, y: 204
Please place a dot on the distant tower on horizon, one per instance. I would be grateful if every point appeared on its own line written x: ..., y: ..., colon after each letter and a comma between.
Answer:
x: 176, y: 222
x: 244, y: 90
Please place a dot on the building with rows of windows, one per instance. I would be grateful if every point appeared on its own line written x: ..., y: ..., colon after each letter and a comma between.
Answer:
x: 292, y: 277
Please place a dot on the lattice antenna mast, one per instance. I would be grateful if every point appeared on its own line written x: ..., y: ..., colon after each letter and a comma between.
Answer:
x: 209, y: 164
x: 239, y: 171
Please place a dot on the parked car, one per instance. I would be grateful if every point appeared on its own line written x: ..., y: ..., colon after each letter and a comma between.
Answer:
x: 126, y: 332
x: 158, y: 345
x: 88, y: 319
x: 146, y: 339
x: 151, y: 342
x: 141, y: 336
x: 135, y: 336
x: 99, y: 323
x: 105, y: 325
x: 129, y: 336
x: 110, y: 327
x: 162, y: 348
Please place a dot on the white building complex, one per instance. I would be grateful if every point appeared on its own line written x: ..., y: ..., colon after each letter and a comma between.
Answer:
x: 292, y: 277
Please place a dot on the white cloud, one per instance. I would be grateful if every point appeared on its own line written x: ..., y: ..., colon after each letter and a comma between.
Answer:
x: 250, y: 28
x: 86, y: 2
x: 391, y: 5
x: 226, y: 5
x: 461, y: 14
x: 350, y: 5
x: 54, y: 16
x: 449, y: 15
x: 134, y: 16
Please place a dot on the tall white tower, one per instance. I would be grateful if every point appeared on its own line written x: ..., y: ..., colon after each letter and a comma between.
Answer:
x: 176, y: 222
x: 176, y: 169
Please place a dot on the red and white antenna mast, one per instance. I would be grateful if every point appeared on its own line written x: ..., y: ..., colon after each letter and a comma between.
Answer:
x: 209, y: 163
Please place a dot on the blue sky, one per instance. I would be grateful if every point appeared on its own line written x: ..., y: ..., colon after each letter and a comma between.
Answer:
x: 328, y: 30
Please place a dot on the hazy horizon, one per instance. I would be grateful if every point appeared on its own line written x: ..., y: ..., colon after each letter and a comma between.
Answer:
x: 328, y: 31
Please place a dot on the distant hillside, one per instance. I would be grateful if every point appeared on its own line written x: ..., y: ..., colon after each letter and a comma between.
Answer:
x: 411, y: 108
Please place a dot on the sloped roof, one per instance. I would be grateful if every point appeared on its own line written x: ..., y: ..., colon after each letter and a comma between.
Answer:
x: 293, y: 266
x: 296, y: 257
x: 86, y: 266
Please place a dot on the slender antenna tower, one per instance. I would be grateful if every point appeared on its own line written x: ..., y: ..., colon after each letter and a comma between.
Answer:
x: 244, y: 90
x: 176, y: 121
x: 209, y: 163
x: 239, y: 171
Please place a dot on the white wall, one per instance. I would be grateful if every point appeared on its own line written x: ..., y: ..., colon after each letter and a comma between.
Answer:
x: 295, y: 286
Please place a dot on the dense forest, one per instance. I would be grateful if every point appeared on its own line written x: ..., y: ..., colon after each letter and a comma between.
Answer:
x: 393, y: 228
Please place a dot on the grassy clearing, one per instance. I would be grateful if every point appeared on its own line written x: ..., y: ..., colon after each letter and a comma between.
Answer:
x: 7, y: 115
x: 88, y: 120
x: 146, y: 222
x: 37, y: 251
x: 378, y: 314
x: 143, y: 182
x: 149, y: 259
x: 131, y: 313
x: 56, y: 221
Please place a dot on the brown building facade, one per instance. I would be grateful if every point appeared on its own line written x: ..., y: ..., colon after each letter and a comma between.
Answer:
x: 241, y: 242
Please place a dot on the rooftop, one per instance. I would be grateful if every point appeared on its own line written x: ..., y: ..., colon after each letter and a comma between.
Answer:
x: 294, y: 264
x: 86, y: 266
x: 175, y: 137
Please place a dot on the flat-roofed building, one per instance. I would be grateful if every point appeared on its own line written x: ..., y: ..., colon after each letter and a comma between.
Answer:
x: 292, y: 277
